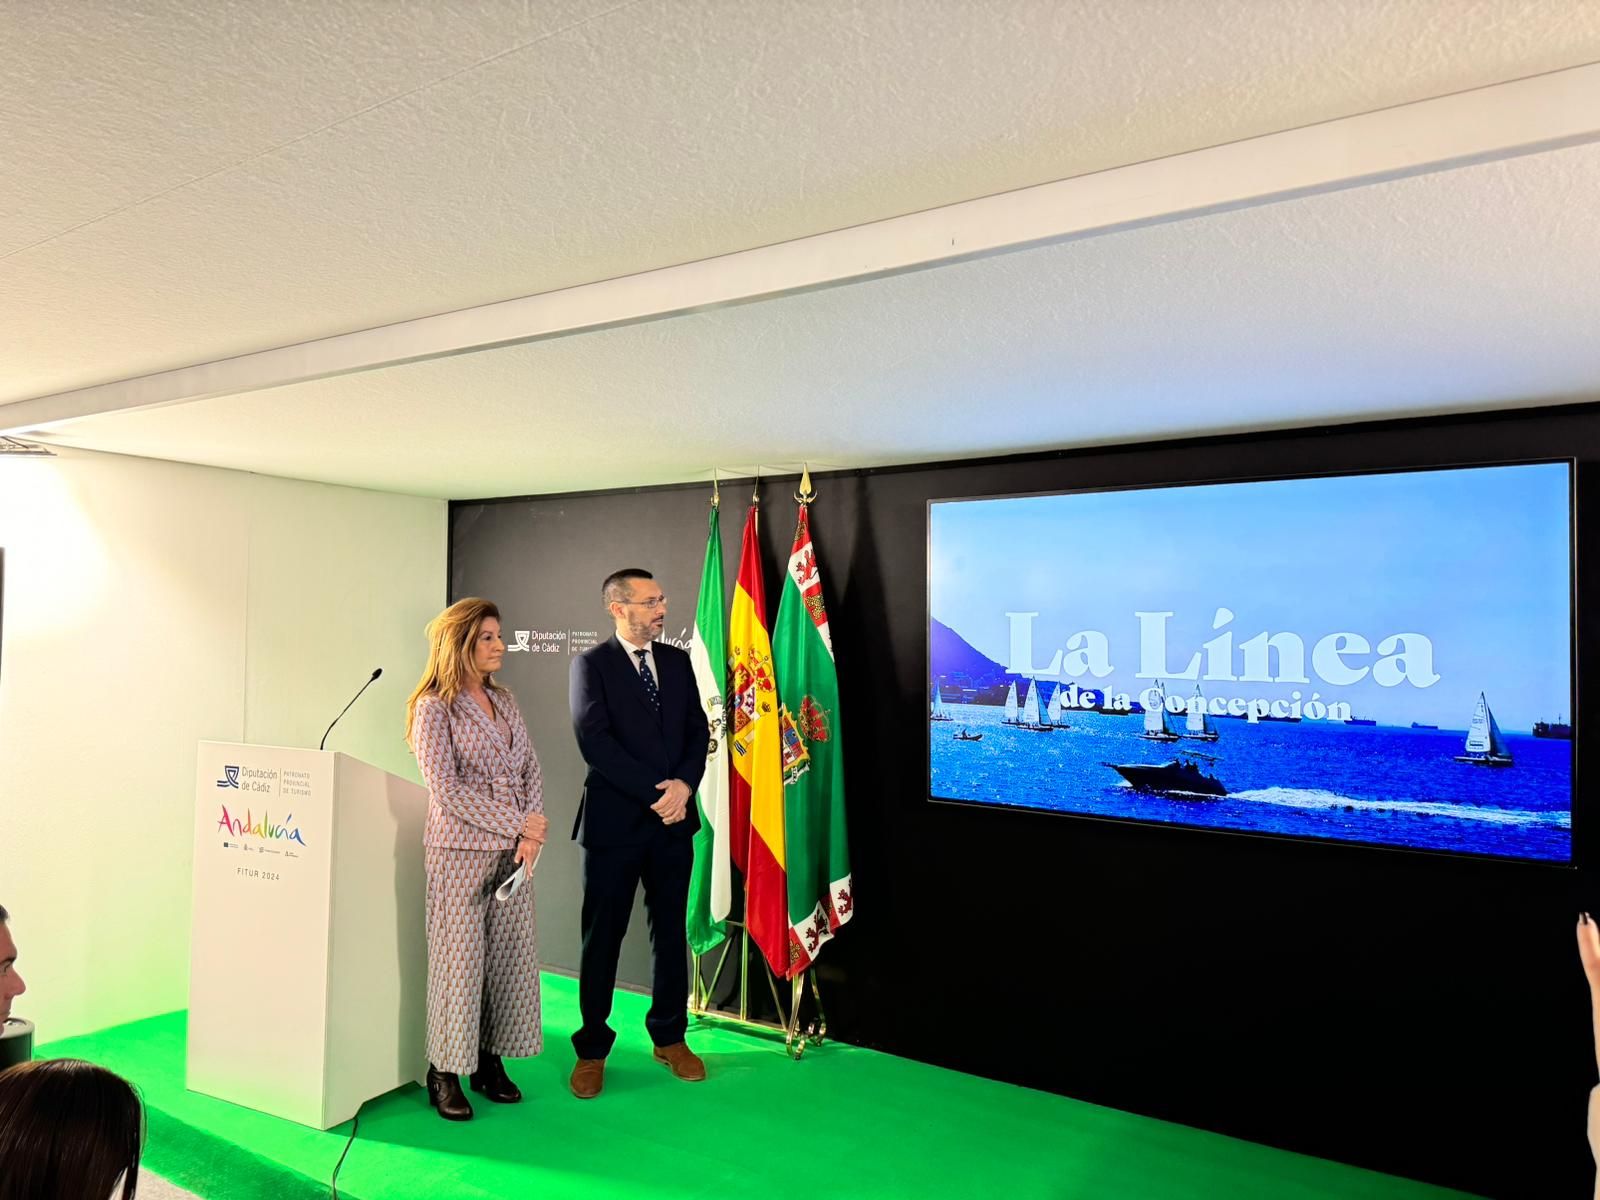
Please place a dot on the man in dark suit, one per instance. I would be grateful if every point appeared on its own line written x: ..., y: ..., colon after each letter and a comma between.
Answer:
x: 636, y: 713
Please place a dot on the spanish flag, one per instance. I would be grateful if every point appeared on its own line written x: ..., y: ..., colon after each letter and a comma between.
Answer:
x: 756, y: 798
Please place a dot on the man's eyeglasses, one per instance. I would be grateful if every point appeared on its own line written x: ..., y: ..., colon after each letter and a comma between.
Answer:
x: 652, y: 604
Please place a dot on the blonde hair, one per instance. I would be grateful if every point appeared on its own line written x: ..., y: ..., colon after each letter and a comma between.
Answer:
x: 451, y: 636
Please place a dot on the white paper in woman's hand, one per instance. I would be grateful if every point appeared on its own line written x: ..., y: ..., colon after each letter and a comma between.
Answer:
x: 518, y: 877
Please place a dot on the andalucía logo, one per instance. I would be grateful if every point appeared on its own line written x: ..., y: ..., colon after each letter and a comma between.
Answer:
x: 264, y: 828
x: 230, y: 777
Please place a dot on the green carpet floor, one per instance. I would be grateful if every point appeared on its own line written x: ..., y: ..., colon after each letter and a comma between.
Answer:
x: 842, y: 1122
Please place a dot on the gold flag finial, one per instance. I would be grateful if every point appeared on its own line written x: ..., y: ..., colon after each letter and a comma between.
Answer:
x: 807, y: 493
x: 755, y: 494
x: 716, y: 494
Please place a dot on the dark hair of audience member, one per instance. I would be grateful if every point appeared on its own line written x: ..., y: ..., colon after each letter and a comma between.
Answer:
x: 69, y: 1130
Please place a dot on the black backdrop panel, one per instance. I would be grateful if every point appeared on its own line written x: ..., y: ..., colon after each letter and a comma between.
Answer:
x: 1418, y: 1014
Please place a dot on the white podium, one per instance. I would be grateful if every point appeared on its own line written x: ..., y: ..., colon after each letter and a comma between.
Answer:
x: 308, y: 967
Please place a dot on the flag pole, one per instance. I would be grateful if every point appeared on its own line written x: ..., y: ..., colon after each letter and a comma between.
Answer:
x: 797, y: 991
x: 795, y: 1038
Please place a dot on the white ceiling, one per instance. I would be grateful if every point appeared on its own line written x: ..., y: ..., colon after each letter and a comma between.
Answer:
x: 203, y: 180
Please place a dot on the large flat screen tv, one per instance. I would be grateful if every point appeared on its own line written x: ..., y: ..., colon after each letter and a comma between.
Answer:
x: 1384, y: 659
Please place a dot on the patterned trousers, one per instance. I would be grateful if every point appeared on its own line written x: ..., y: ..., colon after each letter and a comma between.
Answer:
x: 483, y: 963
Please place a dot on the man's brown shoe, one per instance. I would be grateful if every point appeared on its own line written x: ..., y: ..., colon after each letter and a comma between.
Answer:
x: 685, y: 1063
x: 588, y: 1077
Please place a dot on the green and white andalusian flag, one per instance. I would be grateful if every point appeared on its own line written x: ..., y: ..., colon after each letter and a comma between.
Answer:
x: 817, y: 848
x: 711, y: 885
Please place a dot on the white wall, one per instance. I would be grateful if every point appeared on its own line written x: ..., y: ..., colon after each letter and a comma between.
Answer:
x: 149, y: 605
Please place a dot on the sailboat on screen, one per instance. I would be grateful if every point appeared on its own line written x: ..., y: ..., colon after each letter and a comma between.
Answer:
x: 1197, y: 724
x: 1026, y: 715
x: 1486, y: 746
x: 1030, y: 716
x: 1053, y: 712
x: 1159, y: 725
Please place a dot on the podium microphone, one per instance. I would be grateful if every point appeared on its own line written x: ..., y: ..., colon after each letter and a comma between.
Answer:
x: 346, y: 708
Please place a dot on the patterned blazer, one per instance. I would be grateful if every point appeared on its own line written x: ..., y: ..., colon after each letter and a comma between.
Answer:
x: 479, y: 788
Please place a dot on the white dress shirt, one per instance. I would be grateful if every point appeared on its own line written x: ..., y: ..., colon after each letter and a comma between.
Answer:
x: 649, y: 656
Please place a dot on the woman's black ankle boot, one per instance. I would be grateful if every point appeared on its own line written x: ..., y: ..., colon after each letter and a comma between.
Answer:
x: 491, y: 1079
x: 445, y: 1094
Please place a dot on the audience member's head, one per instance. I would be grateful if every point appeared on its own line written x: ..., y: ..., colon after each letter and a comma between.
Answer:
x: 11, y: 985
x: 69, y: 1130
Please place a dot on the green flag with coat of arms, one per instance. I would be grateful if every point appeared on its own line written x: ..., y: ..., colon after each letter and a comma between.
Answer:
x: 817, y: 847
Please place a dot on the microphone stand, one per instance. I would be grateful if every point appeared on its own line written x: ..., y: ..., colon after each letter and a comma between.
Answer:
x: 346, y: 708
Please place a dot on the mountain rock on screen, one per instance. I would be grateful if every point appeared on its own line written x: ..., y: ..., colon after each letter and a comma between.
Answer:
x: 952, y: 658
x: 972, y: 677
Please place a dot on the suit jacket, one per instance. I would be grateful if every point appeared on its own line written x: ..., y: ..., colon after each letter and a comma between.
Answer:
x: 480, y: 787
x: 630, y: 747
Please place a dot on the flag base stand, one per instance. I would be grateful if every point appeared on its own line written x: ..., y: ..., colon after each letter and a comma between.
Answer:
x: 795, y: 1040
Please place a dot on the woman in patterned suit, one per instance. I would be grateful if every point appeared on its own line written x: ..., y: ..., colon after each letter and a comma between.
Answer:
x: 485, y: 816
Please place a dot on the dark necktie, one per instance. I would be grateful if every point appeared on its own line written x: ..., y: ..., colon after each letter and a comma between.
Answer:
x: 646, y: 674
